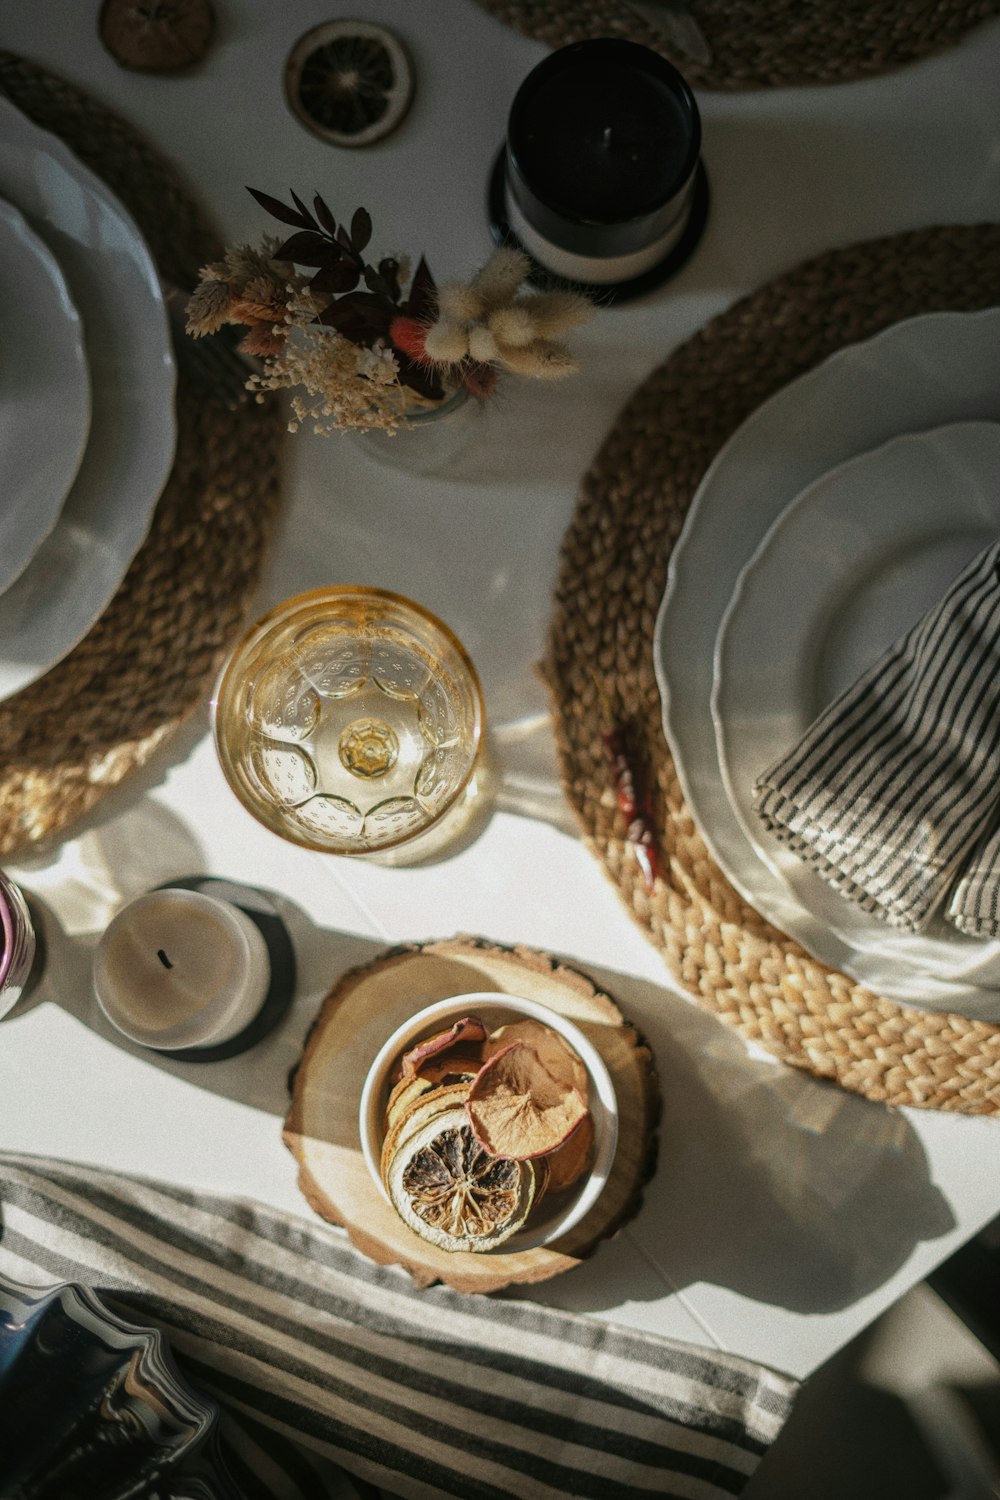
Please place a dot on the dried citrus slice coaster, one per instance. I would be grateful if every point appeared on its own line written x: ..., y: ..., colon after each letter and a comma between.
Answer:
x: 349, y: 81
x: 556, y: 1053
x: 451, y: 1191
x: 518, y: 1108
x: 156, y: 38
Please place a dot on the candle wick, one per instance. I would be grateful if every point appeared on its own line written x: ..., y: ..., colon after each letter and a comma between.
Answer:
x: 606, y: 137
x: 164, y: 960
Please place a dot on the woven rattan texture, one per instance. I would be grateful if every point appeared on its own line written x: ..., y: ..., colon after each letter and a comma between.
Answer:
x: 150, y: 659
x: 768, y: 43
x: 611, y: 579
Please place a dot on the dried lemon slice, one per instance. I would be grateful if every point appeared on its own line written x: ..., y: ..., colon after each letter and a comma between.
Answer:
x: 450, y: 1191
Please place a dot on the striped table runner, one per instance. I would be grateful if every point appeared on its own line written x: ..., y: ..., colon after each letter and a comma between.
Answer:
x: 422, y: 1393
x: 893, y: 784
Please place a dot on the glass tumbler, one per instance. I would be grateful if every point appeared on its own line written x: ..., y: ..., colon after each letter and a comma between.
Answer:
x: 350, y: 720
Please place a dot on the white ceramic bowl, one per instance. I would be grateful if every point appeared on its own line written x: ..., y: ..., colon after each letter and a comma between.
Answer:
x: 496, y: 1009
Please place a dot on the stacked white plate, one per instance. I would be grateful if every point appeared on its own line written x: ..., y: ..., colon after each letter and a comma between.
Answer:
x: 87, y: 428
x: 830, y: 521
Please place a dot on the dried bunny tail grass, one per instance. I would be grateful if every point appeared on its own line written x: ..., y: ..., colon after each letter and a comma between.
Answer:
x: 207, y: 307
x: 544, y: 316
x: 513, y: 325
x: 555, y: 313
x: 482, y: 345
x: 446, y: 343
x: 458, y: 303
x: 541, y: 360
x: 499, y: 280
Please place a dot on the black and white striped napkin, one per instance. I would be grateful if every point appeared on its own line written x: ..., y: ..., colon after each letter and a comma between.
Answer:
x: 425, y: 1393
x: 891, y: 787
x: 974, y: 905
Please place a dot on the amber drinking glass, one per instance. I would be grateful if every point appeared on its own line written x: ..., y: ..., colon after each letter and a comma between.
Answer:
x: 350, y: 720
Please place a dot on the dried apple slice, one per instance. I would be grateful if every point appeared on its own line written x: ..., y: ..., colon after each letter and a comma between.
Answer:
x: 556, y: 1053
x: 468, y: 1029
x: 518, y: 1108
x: 568, y: 1162
x: 451, y: 1191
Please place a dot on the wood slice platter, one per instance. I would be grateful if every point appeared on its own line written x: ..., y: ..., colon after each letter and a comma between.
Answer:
x: 364, y: 1007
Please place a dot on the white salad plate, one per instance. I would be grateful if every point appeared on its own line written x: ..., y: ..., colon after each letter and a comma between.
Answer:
x: 855, y: 560
x: 916, y: 375
x: 44, y: 392
x: 112, y: 281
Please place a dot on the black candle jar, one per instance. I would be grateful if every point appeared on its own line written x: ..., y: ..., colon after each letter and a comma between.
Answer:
x: 600, y: 180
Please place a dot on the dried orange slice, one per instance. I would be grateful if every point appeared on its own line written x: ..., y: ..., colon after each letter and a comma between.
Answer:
x: 518, y: 1108
x: 452, y: 1192
x: 350, y: 82
x: 556, y: 1054
x: 426, y: 1107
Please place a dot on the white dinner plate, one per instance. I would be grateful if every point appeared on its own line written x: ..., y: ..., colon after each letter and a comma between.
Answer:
x: 916, y: 375
x: 855, y: 560
x: 44, y: 392
x: 114, y: 285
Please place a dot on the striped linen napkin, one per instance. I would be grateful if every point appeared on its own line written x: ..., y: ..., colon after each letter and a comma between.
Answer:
x: 891, y: 786
x: 423, y: 1393
x: 974, y: 906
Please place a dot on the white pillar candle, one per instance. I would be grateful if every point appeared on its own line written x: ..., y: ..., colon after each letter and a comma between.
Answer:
x: 178, y: 969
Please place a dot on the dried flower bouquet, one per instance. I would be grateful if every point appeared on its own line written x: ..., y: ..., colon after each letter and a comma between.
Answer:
x: 359, y: 352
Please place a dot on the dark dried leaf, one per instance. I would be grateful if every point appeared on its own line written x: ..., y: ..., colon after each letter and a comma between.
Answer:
x: 324, y: 215
x: 340, y: 277
x: 361, y: 230
x: 376, y: 283
x: 344, y: 238
x: 360, y: 317
x: 304, y: 211
x: 419, y: 377
x: 307, y: 248
x: 388, y: 269
x: 422, y: 301
x: 279, y: 210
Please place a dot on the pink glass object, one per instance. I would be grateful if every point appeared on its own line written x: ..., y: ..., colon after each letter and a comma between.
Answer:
x: 17, y: 944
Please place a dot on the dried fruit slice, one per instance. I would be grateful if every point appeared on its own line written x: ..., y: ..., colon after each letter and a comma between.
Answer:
x: 468, y: 1029
x: 349, y: 81
x: 156, y: 38
x: 427, y: 1106
x: 405, y: 1093
x: 556, y: 1054
x: 518, y: 1108
x: 452, y: 1192
x: 568, y: 1162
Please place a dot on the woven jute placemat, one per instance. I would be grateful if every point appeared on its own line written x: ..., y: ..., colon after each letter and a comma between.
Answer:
x: 611, y: 579
x: 767, y: 43
x: 151, y: 658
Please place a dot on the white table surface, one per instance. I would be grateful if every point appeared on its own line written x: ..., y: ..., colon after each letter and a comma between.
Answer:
x: 785, y: 1214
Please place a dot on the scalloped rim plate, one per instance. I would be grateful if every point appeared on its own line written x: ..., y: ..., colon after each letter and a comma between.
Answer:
x: 44, y: 393
x: 874, y: 544
x: 916, y: 375
x: 113, y: 282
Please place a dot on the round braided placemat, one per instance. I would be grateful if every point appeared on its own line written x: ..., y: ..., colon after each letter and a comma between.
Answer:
x: 612, y: 575
x: 152, y: 656
x: 767, y: 43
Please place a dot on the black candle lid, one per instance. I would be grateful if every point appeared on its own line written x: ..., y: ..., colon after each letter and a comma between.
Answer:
x: 604, y: 132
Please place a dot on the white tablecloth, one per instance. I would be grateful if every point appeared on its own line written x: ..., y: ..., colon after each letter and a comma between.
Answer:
x: 785, y: 1214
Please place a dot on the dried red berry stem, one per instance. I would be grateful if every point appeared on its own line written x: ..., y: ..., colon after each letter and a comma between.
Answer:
x: 632, y: 794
